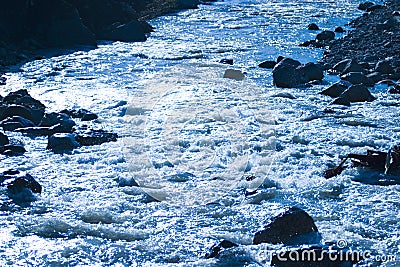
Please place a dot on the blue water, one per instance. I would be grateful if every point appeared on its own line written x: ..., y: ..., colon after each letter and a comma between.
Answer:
x: 182, y: 113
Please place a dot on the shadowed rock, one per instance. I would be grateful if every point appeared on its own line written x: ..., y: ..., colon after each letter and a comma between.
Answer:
x: 214, y: 250
x: 287, y: 226
x: 62, y: 142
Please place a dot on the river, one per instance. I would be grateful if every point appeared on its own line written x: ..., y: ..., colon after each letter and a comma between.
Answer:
x: 178, y: 118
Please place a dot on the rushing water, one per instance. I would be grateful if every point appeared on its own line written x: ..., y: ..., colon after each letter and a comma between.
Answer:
x: 90, y: 212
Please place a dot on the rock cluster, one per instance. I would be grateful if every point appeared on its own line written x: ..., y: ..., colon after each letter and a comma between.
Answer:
x: 20, y: 112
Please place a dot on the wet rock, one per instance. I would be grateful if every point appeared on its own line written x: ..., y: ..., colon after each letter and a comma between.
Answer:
x: 288, y: 228
x: 130, y: 32
x: 94, y: 137
x: 61, y: 121
x: 17, y: 110
x: 62, y: 142
x: 374, y: 7
x: 3, y: 139
x: 355, y: 93
x: 284, y: 95
x: 335, y: 89
x: 384, y: 67
x: 313, y: 27
x: 289, y: 73
x: 12, y: 150
x: 364, y: 6
x: 268, y: 64
x: 352, y: 66
x: 36, y: 131
x: 340, y: 66
x: 187, y: 4
x: 226, y: 61
x: 234, y: 74
x: 339, y: 30
x: 357, y: 78
x: 325, y: 36
x: 20, y: 186
x: 214, y: 250
x: 375, y: 77
x: 83, y: 114
x: 15, y: 122
x: 310, y: 72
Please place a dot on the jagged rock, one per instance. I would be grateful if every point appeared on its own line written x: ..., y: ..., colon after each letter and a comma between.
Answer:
x: 234, y: 74
x: 341, y: 65
x: 94, y: 137
x: 62, y: 142
x: 352, y: 66
x: 357, y: 78
x: 288, y: 228
x: 3, y: 139
x: 214, y: 250
x: 335, y: 89
x: 268, y: 64
x: 20, y: 186
x: 313, y: 27
x: 355, y: 93
x: 325, y: 36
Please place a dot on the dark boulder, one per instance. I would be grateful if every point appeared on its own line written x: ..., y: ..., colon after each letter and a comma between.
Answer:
x: 62, y: 121
x: 214, y: 250
x: 12, y: 150
x: 62, y: 142
x: 313, y: 27
x: 36, y: 131
x: 325, y: 36
x: 268, y: 64
x: 341, y: 65
x: 375, y: 77
x: 364, y: 6
x: 17, y: 110
x: 335, y: 89
x: 129, y: 32
x: 339, y: 30
x: 355, y: 93
x: 3, y: 139
x: 94, y: 137
x: 227, y: 61
x: 352, y: 66
x: 384, y: 67
x: 290, y: 73
x: 357, y: 78
x: 374, y: 7
x: 15, y: 122
x: 20, y: 186
x: 83, y: 114
x: 286, y: 227
x: 310, y: 72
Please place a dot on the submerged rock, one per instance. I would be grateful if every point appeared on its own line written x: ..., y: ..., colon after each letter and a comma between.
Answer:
x: 16, y: 181
x: 234, y: 74
x: 313, y: 27
x: 294, y: 226
x: 83, y: 114
x: 94, y: 137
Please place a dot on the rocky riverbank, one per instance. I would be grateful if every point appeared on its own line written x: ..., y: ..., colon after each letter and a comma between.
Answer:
x: 374, y: 43
x: 27, y: 27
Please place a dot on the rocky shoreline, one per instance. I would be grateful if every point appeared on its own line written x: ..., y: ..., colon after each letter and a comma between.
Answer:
x: 27, y: 27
